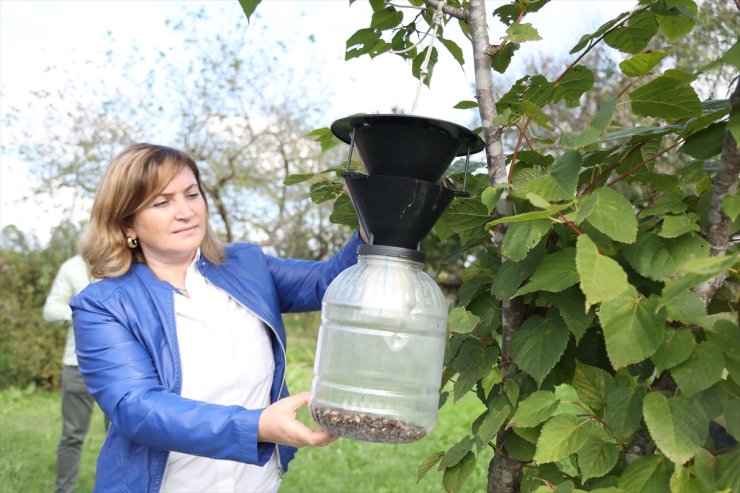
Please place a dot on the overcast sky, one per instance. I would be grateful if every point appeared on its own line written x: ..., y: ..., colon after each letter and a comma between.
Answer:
x: 36, y: 34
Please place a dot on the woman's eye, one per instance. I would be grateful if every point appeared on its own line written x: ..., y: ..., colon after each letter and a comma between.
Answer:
x: 194, y: 195
x: 159, y: 203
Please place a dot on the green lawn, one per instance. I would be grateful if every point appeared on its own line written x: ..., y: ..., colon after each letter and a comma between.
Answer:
x: 30, y: 426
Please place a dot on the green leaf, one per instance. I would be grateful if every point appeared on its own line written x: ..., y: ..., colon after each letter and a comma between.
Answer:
x: 730, y: 57
x: 462, y: 321
x: 456, y: 453
x: 624, y: 410
x: 428, y: 464
x: 699, y: 270
x: 731, y: 206
x: 705, y: 465
x: 492, y: 378
x: 568, y: 397
x: 676, y: 26
x: 678, y: 425
x: 570, y: 304
x: 535, y: 88
x: 502, y: 57
x: 297, y: 178
x: 648, y: 474
x: 665, y: 97
x: 466, y: 214
x: 536, y: 408
x: 493, y: 420
x: 726, y: 334
x: 538, y: 345
x: 529, y: 216
x: 596, y: 458
x: 642, y: 63
x: 561, y: 183
x: 602, y: 278
x: 557, y: 272
x: 466, y: 104
x: 592, y: 385
x: 610, y: 213
x: 705, y: 143
x: 728, y: 470
x: 676, y: 347
x: 713, y: 400
x: 534, y: 112
x: 662, y: 258
x: 572, y: 86
x: 454, y: 477
x: 324, y: 191
x: 387, y: 18
x: 635, y: 36
x: 249, y: 6
x: 361, y: 42
x: 594, y: 132
x: 701, y: 370
x: 511, y: 274
x: 732, y: 417
x: 521, y: 237
x: 491, y: 195
x: 586, y: 38
x: 675, y: 226
x: 344, y: 213
x: 325, y: 138
x: 561, y: 436
x: 454, y: 50
x: 521, y: 32
x: 633, y: 327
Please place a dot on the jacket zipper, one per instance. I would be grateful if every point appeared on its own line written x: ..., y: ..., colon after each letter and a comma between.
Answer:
x: 281, y: 471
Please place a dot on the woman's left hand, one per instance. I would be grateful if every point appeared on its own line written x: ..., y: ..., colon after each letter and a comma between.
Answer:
x: 278, y: 424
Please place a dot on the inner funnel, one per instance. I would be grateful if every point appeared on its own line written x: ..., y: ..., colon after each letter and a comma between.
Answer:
x: 405, y: 145
x: 397, y: 211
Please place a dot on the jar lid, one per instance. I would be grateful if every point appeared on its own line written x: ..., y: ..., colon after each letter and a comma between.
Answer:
x: 391, y: 251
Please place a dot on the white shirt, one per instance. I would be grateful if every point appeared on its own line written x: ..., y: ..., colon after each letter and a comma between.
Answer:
x: 226, y: 358
x: 72, y: 278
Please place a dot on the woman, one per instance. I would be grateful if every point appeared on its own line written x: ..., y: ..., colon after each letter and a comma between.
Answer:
x: 181, y: 341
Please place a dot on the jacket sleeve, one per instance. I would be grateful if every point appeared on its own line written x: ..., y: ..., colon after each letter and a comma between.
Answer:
x: 120, y: 374
x: 56, y: 308
x: 301, y: 284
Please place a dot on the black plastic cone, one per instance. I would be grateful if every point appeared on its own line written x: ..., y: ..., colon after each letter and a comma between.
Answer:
x: 408, y: 146
x: 397, y: 211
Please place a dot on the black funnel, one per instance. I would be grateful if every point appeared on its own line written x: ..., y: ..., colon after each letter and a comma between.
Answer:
x: 407, y: 146
x: 397, y: 211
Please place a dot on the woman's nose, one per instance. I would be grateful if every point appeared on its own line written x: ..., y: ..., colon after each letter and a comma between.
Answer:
x: 183, y: 210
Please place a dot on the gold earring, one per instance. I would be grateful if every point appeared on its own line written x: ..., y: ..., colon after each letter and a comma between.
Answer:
x: 132, y: 242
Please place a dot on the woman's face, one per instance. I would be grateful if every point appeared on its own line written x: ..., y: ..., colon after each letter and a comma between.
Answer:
x: 171, y: 227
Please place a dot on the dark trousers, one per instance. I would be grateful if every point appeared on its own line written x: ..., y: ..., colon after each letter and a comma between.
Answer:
x: 77, y: 405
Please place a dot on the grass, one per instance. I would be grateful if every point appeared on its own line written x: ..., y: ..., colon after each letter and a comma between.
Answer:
x: 31, y: 424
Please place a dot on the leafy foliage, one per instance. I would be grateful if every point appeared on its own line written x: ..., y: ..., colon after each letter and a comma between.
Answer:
x: 31, y: 348
x: 622, y: 373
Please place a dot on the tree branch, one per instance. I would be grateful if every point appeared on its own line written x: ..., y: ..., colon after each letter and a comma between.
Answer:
x: 455, y: 12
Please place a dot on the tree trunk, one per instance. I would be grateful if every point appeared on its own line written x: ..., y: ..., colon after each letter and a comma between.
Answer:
x: 717, y: 231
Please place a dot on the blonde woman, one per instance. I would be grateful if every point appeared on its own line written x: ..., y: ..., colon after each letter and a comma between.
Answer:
x: 181, y: 341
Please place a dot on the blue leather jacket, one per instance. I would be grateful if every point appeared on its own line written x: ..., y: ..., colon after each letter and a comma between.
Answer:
x: 128, y: 355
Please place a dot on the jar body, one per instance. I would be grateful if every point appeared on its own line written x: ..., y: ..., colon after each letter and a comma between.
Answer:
x: 380, y: 352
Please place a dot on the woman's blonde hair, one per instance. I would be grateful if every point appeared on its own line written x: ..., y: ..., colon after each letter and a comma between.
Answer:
x: 132, y: 179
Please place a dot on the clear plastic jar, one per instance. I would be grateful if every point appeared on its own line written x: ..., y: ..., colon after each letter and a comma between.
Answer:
x: 380, y: 351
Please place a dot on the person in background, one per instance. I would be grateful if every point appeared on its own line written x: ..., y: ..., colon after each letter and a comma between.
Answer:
x: 77, y: 403
x: 181, y: 340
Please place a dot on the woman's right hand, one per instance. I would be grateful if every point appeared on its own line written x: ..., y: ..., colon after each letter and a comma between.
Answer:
x: 278, y: 424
